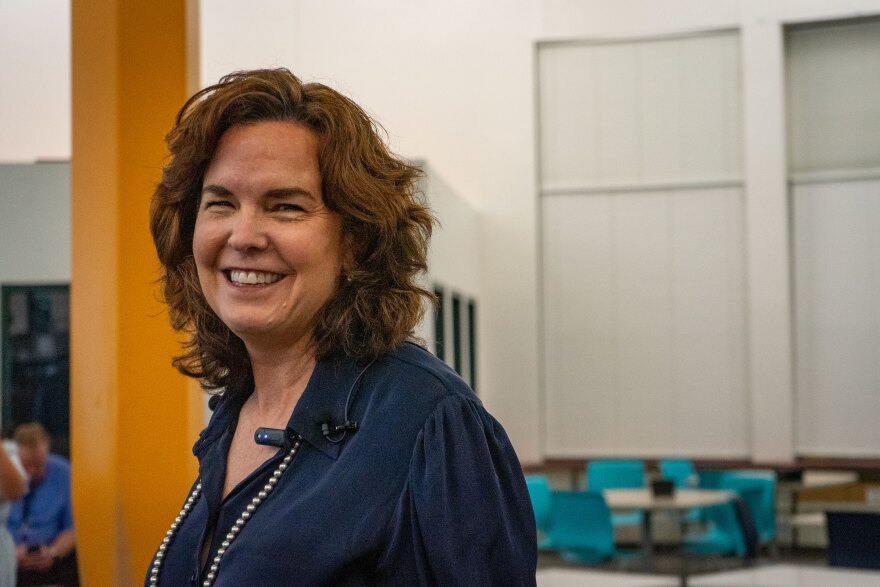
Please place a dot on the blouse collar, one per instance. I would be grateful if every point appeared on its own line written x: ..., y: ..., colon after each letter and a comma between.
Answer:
x: 323, y: 401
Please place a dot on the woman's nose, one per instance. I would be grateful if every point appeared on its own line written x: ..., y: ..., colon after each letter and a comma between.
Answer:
x: 247, y: 232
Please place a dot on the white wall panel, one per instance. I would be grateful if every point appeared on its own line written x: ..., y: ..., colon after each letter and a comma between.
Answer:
x: 645, y: 327
x: 642, y: 112
x: 662, y: 116
x: 615, y: 121
x: 578, y: 147
x: 644, y: 307
x: 710, y: 321
x: 580, y: 288
x: 710, y: 134
x: 834, y: 97
x: 837, y: 289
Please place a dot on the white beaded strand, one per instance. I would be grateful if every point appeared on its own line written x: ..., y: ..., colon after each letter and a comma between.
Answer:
x: 184, y: 512
x: 255, y: 502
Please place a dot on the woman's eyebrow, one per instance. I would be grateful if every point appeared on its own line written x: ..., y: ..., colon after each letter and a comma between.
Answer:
x: 281, y: 193
x: 217, y: 190
x: 275, y: 193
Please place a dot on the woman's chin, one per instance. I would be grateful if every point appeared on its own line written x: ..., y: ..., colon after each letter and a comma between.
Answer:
x: 260, y: 334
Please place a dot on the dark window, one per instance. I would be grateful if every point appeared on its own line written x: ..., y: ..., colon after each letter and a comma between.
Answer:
x: 36, y: 360
x: 439, y: 324
x: 472, y: 341
x: 456, y: 333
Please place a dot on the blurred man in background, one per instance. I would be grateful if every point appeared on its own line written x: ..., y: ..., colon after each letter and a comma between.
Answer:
x: 42, y: 521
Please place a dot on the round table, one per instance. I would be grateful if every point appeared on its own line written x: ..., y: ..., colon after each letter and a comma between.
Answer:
x: 679, y: 502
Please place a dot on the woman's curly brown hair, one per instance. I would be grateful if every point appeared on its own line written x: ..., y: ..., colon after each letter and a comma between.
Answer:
x: 378, y: 303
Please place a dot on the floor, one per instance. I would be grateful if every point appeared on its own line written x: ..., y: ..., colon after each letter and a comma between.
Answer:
x: 801, y: 569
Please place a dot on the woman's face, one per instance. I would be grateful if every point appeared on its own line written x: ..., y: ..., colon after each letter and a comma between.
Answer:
x: 269, y: 254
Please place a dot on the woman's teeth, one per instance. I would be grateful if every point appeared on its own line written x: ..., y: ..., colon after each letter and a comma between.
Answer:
x: 252, y: 277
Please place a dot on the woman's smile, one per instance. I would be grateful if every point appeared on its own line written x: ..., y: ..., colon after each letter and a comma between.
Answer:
x: 243, y: 277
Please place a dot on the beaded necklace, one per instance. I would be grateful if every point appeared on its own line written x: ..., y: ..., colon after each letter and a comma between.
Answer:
x: 236, y: 527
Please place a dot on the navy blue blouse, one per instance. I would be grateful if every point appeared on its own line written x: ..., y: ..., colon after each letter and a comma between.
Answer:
x: 428, y: 491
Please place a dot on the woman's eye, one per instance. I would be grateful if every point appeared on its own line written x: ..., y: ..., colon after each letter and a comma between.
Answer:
x: 289, y: 208
x: 218, y: 204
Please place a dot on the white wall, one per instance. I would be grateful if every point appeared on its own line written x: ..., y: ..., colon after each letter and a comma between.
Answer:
x: 34, y: 223
x: 35, y: 90
x: 456, y: 237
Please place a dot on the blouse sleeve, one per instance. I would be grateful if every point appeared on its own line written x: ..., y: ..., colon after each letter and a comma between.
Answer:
x: 465, y: 517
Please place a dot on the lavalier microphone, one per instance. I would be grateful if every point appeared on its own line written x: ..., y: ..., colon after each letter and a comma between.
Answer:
x: 345, y: 427
x: 336, y: 434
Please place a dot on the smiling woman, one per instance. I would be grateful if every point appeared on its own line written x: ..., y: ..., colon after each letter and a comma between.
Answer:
x: 339, y: 452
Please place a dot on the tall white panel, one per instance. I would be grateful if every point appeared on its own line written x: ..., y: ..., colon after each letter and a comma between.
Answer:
x: 834, y: 134
x: 643, y: 264
x: 837, y: 299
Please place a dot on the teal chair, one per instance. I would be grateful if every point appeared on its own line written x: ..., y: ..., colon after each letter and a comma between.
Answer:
x: 581, y: 530
x: 542, y: 504
x: 680, y: 471
x: 722, y: 536
x: 710, y: 479
x: 684, y: 476
x: 725, y: 534
x: 617, y: 474
x: 761, y: 502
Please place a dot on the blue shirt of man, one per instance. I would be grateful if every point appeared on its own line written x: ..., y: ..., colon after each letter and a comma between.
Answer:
x: 45, y: 511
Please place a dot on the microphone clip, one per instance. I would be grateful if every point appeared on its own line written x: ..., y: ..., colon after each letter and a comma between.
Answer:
x: 344, y: 428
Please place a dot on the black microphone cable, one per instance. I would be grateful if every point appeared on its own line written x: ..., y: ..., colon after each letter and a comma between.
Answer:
x: 347, y: 424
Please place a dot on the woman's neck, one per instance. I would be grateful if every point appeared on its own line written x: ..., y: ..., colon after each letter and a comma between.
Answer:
x: 280, y: 378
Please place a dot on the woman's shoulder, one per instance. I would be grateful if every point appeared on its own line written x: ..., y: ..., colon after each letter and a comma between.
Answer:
x: 414, y: 393
x: 414, y: 370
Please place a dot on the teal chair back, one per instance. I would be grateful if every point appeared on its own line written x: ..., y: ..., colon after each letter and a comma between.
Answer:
x: 680, y: 471
x: 761, y: 500
x: 581, y: 528
x: 615, y: 474
x: 542, y: 500
x: 683, y: 474
x: 723, y: 535
x: 710, y: 479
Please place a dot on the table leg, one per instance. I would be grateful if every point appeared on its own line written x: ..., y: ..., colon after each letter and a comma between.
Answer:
x: 683, y: 555
x: 647, y: 545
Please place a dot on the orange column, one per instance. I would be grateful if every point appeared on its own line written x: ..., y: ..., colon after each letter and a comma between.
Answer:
x: 133, y: 418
